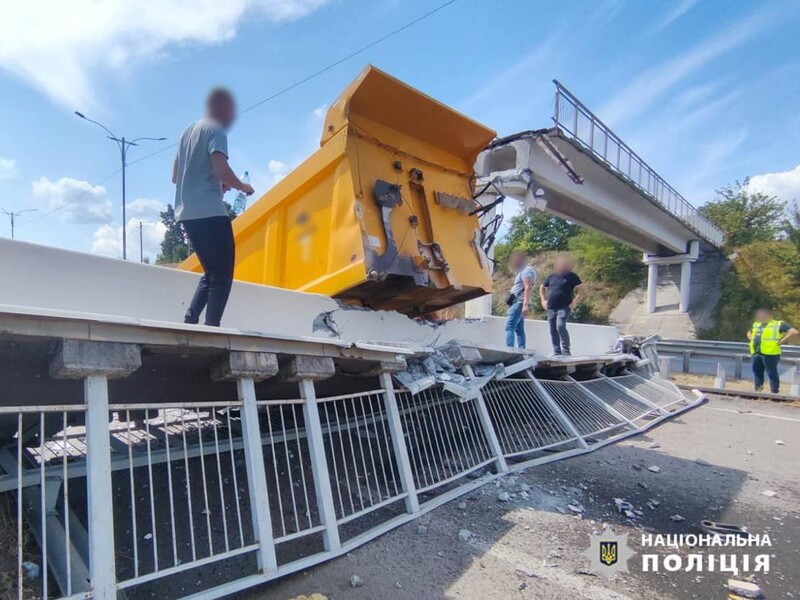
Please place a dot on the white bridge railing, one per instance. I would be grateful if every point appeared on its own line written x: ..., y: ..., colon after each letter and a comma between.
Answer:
x: 202, y: 499
x: 575, y: 119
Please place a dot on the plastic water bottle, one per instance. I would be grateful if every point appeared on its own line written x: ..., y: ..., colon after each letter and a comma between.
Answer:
x: 240, y: 202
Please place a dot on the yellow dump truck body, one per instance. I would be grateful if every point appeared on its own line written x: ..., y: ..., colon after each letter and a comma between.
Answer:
x: 380, y: 215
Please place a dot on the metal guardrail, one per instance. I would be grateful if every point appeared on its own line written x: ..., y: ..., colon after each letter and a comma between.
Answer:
x: 574, y: 118
x: 736, y: 352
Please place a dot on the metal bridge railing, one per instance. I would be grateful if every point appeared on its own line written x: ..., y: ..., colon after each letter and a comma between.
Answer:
x: 576, y: 120
x: 203, y: 499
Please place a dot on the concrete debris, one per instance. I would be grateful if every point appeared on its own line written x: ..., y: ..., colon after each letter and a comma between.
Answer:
x: 421, y: 529
x: 780, y: 442
x: 653, y: 504
x: 702, y: 463
x: 624, y: 508
x: 576, y: 508
x: 654, y: 469
x: 148, y: 536
x: 744, y: 589
x: 356, y: 581
x: 677, y: 518
x: 654, y: 445
x: 522, y: 585
x: 462, y: 505
x: 31, y: 570
x: 504, y: 496
x: 465, y: 535
x: 525, y: 573
x: 770, y: 493
x: 443, y: 366
x: 314, y: 596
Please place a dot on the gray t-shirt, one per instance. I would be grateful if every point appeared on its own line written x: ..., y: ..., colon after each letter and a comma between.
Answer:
x: 518, y: 289
x: 198, y: 193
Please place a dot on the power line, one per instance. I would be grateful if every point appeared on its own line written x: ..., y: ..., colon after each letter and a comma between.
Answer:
x: 351, y: 55
x: 280, y: 92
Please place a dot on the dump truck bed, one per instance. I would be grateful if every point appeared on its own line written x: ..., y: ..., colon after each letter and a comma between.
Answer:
x: 382, y: 214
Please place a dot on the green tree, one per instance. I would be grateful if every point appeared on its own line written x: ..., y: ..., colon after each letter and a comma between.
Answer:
x: 535, y: 231
x: 174, y: 246
x: 605, y: 260
x: 791, y: 226
x: 745, y: 217
x: 764, y: 274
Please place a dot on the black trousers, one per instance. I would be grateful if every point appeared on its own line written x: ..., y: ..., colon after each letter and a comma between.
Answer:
x: 212, y: 240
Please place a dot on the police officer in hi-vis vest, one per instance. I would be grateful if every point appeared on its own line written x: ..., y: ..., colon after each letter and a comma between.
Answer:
x: 766, y: 338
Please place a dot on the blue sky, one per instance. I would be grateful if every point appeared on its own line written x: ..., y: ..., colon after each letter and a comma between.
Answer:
x: 706, y: 91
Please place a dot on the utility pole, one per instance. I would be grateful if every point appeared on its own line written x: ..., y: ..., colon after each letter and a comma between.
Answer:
x: 123, y: 145
x: 141, y: 244
x: 12, y: 216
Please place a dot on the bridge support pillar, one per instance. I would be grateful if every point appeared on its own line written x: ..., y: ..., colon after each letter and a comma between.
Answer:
x: 685, y: 285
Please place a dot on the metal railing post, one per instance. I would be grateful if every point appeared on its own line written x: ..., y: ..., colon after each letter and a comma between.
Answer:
x: 399, y: 445
x: 556, y: 409
x: 102, y: 568
x: 256, y: 475
x: 319, y: 465
x: 486, y: 425
x: 604, y: 405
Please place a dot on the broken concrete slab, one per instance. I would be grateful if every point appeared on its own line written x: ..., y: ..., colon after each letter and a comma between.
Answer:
x: 78, y: 359
x: 257, y: 366
x: 313, y: 368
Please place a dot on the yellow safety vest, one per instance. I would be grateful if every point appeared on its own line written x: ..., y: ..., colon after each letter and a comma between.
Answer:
x: 770, y: 336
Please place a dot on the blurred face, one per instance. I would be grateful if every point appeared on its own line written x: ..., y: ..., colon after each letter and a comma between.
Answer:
x: 223, y: 110
x: 563, y: 265
x: 517, y: 261
x: 763, y: 316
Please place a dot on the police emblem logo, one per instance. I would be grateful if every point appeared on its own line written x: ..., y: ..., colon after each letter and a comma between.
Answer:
x: 608, y: 553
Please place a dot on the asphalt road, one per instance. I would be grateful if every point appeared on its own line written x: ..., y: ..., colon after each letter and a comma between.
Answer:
x: 532, y: 546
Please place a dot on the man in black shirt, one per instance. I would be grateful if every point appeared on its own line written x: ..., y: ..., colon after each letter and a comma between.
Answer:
x: 564, y: 295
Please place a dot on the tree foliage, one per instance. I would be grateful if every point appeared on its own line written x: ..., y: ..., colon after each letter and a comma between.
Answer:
x: 745, y: 217
x: 606, y: 260
x: 764, y: 274
x: 175, y: 245
x: 535, y: 231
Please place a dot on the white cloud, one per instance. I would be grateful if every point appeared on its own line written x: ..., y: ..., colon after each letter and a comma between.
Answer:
x: 8, y: 169
x: 678, y: 9
x: 784, y: 184
x: 321, y: 111
x: 108, y: 240
x: 59, y: 46
x: 653, y: 83
x: 145, y: 209
x: 277, y: 170
x: 75, y: 200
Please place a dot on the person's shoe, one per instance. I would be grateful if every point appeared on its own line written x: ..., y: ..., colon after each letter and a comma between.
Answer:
x: 759, y: 388
x: 567, y: 353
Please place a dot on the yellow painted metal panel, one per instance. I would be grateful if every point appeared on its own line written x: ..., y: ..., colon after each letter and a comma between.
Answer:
x: 380, y: 214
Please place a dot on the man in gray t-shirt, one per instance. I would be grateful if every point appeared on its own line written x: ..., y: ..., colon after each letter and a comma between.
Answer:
x: 201, y: 175
x: 519, y: 298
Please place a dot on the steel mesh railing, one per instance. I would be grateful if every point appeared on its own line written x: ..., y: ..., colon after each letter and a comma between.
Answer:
x: 207, y: 498
x: 583, y: 411
x: 361, y: 465
x: 577, y: 121
x: 522, y: 418
x: 444, y: 437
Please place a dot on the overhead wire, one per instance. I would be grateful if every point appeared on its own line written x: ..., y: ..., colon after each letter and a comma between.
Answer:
x: 280, y: 92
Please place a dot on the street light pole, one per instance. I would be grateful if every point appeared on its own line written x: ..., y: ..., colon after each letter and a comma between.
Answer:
x: 123, y: 145
x: 13, y: 217
x: 141, y: 244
